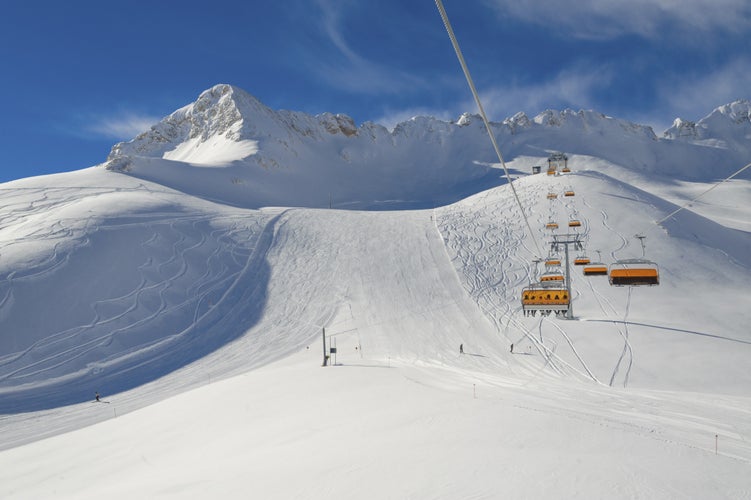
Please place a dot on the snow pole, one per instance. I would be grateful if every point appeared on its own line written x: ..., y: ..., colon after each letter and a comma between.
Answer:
x: 570, y: 311
x: 716, y: 436
x: 323, y: 336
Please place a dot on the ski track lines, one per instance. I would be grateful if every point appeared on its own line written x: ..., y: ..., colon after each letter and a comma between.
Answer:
x: 164, y: 297
x: 129, y: 302
x: 407, y: 319
x: 474, y: 230
x: 384, y: 297
x: 483, y: 236
x: 598, y: 296
x: 404, y: 287
x: 603, y: 301
x: 616, y: 303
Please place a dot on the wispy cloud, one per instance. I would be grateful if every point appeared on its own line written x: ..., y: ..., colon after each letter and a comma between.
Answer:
x: 573, y: 87
x: 391, y: 118
x: 693, y: 97
x: 122, y: 126
x: 603, y: 19
x: 117, y: 125
x: 345, y: 68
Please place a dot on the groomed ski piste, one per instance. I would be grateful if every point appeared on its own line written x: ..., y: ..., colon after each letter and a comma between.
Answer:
x: 212, y: 334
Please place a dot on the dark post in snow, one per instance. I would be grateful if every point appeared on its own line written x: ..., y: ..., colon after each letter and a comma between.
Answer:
x: 570, y: 312
x: 325, y: 357
x: 332, y: 350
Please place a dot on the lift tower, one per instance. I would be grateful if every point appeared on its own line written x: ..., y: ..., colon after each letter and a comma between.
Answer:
x: 566, y: 240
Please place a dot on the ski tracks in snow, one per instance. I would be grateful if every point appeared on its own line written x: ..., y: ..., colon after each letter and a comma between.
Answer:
x: 203, y: 262
x: 626, y: 347
x: 485, y: 238
x: 627, y: 350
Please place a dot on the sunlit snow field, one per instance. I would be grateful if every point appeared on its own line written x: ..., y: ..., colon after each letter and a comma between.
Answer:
x: 193, y: 279
x: 201, y: 327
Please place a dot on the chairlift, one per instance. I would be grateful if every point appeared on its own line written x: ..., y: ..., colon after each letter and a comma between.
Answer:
x: 545, y: 299
x: 552, y: 279
x: 553, y: 260
x: 581, y: 260
x: 596, y: 268
x: 569, y: 192
x: 548, y: 295
x: 552, y: 196
x: 565, y: 170
x: 574, y: 223
x: 635, y: 272
x: 551, y: 225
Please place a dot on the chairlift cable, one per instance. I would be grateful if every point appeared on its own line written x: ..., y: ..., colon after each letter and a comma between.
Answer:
x: 463, y: 64
x: 639, y: 272
x: 657, y: 223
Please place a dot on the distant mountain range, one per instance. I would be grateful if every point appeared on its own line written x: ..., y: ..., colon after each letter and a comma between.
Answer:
x: 241, y: 152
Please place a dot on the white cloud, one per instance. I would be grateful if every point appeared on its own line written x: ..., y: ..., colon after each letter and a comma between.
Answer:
x: 391, y: 119
x: 349, y: 70
x: 573, y: 87
x: 124, y: 126
x: 603, y: 19
x: 694, y: 97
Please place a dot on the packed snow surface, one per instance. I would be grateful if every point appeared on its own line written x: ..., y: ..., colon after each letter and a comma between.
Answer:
x: 200, y: 320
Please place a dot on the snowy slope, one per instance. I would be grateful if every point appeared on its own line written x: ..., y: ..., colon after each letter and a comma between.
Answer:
x: 701, y: 263
x: 199, y: 318
x: 405, y: 414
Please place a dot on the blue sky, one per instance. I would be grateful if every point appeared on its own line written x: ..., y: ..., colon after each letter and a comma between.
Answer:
x: 78, y: 76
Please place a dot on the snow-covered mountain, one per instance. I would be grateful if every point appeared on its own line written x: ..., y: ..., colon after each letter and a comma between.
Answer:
x: 243, y: 153
x: 189, y: 281
x: 728, y: 126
